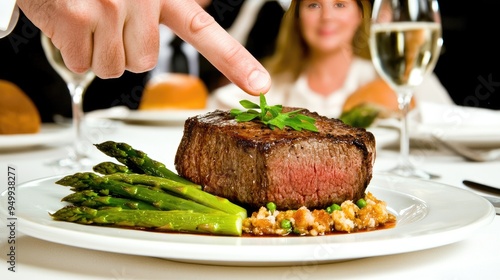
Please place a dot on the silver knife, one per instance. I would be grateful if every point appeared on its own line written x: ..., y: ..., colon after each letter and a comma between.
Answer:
x: 495, y: 201
x: 481, y: 187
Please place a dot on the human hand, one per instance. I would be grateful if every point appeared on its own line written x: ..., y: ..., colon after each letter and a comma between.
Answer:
x: 113, y: 36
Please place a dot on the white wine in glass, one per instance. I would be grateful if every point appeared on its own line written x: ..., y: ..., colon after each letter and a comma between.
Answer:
x: 405, y: 43
x: 77, y: 84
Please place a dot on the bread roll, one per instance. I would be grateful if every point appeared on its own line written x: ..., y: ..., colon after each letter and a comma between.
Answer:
x: 174, y: 91
x: 18, y: 113
x: 377, y: 93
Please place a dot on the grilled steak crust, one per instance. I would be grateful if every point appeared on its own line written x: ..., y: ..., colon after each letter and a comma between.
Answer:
x: 250, y: 164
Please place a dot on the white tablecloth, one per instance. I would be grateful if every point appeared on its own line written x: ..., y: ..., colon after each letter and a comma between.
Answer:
x: 476, y: 257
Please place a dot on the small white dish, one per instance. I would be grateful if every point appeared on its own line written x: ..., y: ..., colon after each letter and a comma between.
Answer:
x: 154, y: 117
x: 50, y: 134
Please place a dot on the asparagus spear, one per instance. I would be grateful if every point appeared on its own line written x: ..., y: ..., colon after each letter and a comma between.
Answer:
x: 175, y: 220
x: 138, y: 161
x: 108, y: 167
x: 92, y: 199
x: 183, y: 190
x: 159, y: 199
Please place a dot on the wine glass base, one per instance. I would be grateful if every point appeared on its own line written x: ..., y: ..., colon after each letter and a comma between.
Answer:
x: 83, y: 163
x: 410, y: 171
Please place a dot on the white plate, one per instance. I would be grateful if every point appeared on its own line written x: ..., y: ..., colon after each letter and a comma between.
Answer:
x: 49, y: 134
x: 429, y: 215
x: 158, y: 117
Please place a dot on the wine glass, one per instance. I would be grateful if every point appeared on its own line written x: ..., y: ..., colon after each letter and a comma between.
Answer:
x: 405, y: 43
x: 77, y: 84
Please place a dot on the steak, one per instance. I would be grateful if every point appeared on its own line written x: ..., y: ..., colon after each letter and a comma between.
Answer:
x: 251, y: 164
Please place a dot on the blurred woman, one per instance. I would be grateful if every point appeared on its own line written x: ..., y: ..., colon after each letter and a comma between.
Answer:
x: 321, y: 58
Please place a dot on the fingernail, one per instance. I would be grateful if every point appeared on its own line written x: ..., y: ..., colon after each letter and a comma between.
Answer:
x: 258, y: 80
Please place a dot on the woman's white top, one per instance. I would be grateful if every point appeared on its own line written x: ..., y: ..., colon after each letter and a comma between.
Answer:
x: 299, y: 94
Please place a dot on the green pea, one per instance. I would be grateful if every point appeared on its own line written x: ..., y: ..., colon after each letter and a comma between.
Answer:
x: 271, y: 207
x: 286, y: 224
x: 361, y: 203
x: 333, y: 207
x: 336, y: 207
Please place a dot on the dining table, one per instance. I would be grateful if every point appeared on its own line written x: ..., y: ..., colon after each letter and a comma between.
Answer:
x: 25, y: 255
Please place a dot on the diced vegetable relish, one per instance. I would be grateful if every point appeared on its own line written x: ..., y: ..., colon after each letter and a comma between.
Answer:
x: 350, y: 218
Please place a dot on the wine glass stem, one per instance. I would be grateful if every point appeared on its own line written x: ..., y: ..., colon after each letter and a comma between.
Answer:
x: 76, y: 90
x: 404, y: 100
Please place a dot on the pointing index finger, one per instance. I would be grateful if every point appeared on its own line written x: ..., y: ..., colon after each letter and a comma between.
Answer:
x: 194, y: 25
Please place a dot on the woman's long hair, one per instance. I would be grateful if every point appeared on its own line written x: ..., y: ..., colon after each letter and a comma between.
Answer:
x: 291, y: 49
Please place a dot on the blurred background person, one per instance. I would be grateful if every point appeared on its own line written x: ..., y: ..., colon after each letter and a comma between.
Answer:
x: 322, y: 58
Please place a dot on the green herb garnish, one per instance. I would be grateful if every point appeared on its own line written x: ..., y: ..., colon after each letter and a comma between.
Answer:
x: 362, y: 115
x: 272, y: 116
